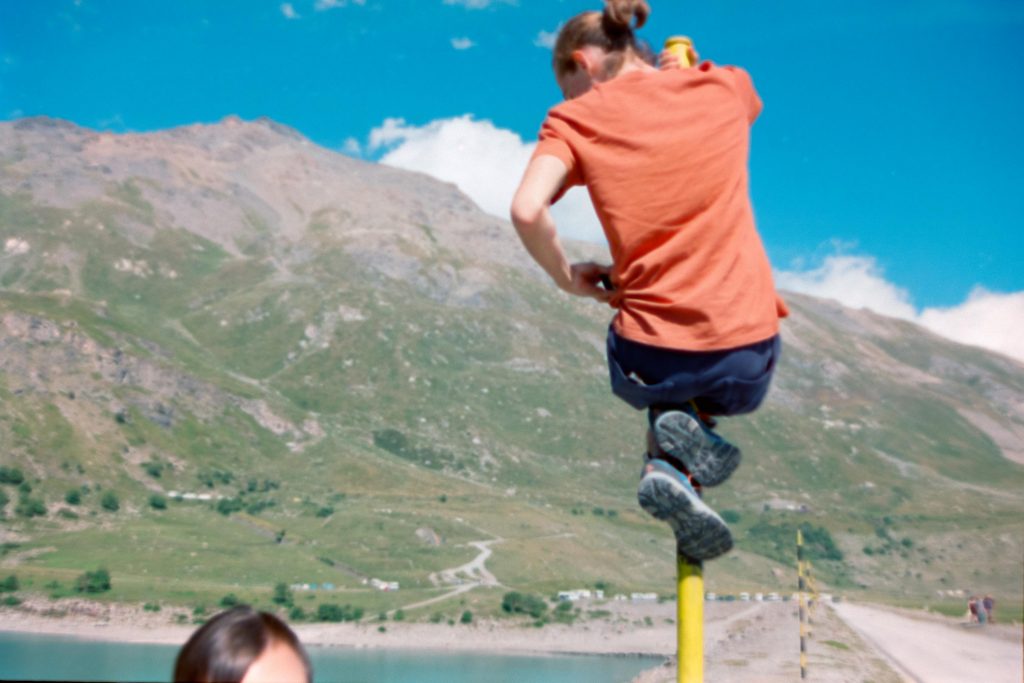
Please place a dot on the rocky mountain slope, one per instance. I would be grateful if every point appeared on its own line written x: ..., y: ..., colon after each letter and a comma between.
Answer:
x: 347, y: 371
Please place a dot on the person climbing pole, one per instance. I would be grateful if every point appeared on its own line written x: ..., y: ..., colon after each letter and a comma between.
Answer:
x: 663, y: 154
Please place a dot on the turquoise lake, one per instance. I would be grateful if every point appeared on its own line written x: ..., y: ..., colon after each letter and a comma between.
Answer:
x: 42, y: 658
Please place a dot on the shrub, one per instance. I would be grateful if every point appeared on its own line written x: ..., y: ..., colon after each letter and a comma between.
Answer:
x: 399, y: 615
x: 210, y: 478
x: 157, y: 502
x: 282, y: 594
x: 226, y: 506
x: 153, y: 469
x: 4, y: 500
x: 564, y: 613
x: 229, y: 600
x: 338, y: 613
x: 778, y: 541
x: 93, y: 582
x: 73, y: 497
x: 31, y: 507
x: 10, y: 584
x: 11, y: 475
x: 25, y: 488
x: 110, y: 502
x: 517, y: 603
x: 67, y: 514
x: 257, y: 506
x: 325, y: 511
x: 151, y: 607
x: 11, y: 601
x: 467, y: 617
x: 436, y: 618
x: 297, y: 614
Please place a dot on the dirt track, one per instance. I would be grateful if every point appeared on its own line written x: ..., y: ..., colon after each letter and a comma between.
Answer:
x: 932, y: 649
x: 851, y: 643
x: 760, y: 643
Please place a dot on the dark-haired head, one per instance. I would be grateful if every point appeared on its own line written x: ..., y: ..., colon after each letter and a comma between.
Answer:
x: 226, y: 647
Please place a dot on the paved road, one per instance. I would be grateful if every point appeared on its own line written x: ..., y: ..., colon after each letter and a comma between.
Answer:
x: 936, y: 651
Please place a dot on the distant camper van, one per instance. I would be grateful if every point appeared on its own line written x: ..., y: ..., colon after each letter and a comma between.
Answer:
x: 745, y: 597
x: 711, y: 597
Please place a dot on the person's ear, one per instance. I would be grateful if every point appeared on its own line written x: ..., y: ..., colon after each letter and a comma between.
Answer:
x: 584, y: 60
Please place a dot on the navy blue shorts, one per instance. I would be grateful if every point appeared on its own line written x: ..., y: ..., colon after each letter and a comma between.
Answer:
x: 729, y: 382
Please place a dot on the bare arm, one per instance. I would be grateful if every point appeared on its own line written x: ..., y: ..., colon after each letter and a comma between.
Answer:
x: 531, y: 216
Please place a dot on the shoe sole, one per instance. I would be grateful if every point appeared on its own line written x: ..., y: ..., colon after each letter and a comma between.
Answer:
x: 700, y: 533
x: 680, y: 435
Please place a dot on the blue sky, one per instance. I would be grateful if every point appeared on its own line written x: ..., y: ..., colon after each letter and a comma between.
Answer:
x: 890, y: 147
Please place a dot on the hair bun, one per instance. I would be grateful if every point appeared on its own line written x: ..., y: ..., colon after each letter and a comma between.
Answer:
x: 620, y: 13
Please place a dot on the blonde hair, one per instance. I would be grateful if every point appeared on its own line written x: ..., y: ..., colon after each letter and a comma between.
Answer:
x: 610, y: 30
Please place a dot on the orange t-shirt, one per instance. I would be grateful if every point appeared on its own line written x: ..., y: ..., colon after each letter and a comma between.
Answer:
x: 664, y: 157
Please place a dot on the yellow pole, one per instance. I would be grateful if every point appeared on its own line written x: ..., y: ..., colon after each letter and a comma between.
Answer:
x: 690, y: 621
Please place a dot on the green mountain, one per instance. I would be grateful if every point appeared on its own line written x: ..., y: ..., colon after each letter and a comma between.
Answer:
x: 231, y: 358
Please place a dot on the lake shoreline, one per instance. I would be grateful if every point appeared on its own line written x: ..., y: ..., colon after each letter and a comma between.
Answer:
x: 87, y: 620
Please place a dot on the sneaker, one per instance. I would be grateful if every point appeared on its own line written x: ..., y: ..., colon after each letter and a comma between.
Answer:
x: 709, y: 458
x: 667, y: 494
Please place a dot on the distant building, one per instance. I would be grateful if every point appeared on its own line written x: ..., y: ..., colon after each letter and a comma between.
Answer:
x: 384, y: 585
x: 580, y: 594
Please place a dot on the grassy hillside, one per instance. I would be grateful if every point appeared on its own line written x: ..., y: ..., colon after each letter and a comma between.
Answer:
x: 365, y: 390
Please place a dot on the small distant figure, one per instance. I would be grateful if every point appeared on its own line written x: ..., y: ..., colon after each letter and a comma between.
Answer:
x: 241, y: 645
x: 972, y: 608
x: 989, y: 605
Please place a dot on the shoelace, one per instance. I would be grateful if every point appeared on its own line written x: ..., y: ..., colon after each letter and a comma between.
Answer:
x: 678, y: 464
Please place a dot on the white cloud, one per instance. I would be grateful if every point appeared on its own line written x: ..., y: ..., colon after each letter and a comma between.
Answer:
x: 986, y: 319
x: 478, y: 4
x: 484, y: 161
x: 324, y: 5
x: 854, y: 281
x: 462, y: 43
x: 546, y: 39
x: 352, y: 147
x: 289, y: 11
